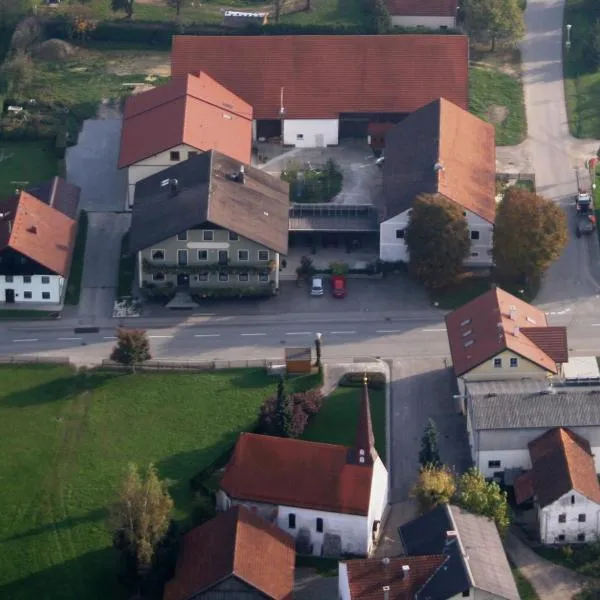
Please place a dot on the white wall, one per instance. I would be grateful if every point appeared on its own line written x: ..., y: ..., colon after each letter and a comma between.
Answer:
x: 352, y: 529
x: 427, y: 22
x: 151, y: 165
x: 393, y: 249
x: 314, y: 132
x: 509, y: 459
x: 378, y: 499
x: 550, y: 528
x: 36, y: 287
x: 343, y: 585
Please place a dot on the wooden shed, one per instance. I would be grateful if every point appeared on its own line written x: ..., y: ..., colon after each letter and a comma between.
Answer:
x: 298, y: 360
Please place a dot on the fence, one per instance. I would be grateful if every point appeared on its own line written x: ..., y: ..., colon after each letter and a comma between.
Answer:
x: 34, y: 358
x: 182, y: 365
x: 513, y: 177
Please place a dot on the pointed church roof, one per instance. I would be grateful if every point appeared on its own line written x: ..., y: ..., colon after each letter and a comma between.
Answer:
x: 363, y: 452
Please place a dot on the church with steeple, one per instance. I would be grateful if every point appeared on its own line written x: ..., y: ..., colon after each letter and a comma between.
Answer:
x: 330, y: 498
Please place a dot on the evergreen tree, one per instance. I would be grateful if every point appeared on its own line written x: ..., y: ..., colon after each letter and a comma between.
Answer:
x: 429, y: 453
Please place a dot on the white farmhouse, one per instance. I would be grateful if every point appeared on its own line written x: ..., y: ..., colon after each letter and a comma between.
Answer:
x: 434, y: 14
x: 563, y: 486
x: 38, y: 228
x: 173, y: 122
x: 439, y: 149
x: 331, y: 498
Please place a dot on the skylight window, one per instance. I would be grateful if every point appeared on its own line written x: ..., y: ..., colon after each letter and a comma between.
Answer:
x: 469, y: 343
x: 465, y: 322
x: 531, y: 320
x: 467, y: 332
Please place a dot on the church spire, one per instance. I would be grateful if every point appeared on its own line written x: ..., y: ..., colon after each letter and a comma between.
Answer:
x: 363, y: 451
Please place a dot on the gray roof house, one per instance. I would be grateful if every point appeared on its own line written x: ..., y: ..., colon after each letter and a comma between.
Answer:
x: 209, y: 226
x: 503, y: 418
x: 476, y: 566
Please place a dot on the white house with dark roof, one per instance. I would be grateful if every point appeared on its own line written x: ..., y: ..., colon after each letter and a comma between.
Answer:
x: 331, y: 498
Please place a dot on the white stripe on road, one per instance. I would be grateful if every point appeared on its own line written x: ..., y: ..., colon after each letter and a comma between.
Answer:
x: 207, y: 334
x: 341, y: 332
x: 299, y: 333
x: 389, y: 331
x: 27, y: 340
x: 110, y: 337
x: 432, y: 330
x: 152, y: 337
x: 68, y: 339
x: 248, y: 334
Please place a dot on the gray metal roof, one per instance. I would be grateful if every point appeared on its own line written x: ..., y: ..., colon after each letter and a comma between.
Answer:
x: 515, y: 386
x: 333, y: 217
x: 485, y: 556
x: 564, y: 407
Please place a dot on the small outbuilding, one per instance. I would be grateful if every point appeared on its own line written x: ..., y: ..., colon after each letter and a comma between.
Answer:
x: 298, y: 360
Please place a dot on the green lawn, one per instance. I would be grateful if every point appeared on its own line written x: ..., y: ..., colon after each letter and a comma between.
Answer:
x: 65, y: 442
x: 492, y: 92
x: 349, y: 13
x: 336, y: 422
x: 582, y: 84
x: 76, y: 274
x: 26, y: 163
x: 526, y: 590
x: 126, y: 269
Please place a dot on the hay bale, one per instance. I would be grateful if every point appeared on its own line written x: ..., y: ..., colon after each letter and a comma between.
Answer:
x: 27, y: 33
x: 54, y: 50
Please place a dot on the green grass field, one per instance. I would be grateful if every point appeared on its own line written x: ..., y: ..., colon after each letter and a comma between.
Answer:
x: 489, y: 91
x: 67, y: 438
x: 76, y: 274
x: 29, y: 162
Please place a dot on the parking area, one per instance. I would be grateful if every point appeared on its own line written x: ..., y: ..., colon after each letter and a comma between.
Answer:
x: 362, y: 179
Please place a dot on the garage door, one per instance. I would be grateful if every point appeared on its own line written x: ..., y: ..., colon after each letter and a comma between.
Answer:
x: 355, y: 128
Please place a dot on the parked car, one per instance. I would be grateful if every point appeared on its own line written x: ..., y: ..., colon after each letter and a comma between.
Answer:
x: 338, y: 286
x: 316, y: 289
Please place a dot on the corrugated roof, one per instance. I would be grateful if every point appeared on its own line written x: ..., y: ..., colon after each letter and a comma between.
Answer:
x: 497, y: 321
x: 235, y: 543
x: 193, y: 110
x: 568, y: 408
x: 38, y: 231
x: 418, y: 8
x: 366, y: 577
x: 297, y: 473
x: 256, y: 209
x: 319, y: 77
x: 562, y: 461
x: 445, y: 134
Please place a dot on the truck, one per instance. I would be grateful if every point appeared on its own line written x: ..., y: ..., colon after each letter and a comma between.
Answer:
x: 584, y: 203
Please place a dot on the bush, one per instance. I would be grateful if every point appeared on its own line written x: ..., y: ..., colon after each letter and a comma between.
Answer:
x: 310, y: 401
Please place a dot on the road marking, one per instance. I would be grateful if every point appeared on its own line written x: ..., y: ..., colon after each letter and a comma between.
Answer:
x: 159, y: 336
x: 248, y: 334
x: 207, y: 334
x: 299, y: 333
x: 341, y: 332
x: 432, y: 330
x: 68, y: 339
x: 27, y: 340
x: 389, y: 331
x: 110, y: 337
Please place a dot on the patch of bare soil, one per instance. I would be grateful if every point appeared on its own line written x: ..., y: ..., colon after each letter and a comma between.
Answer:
x: 505, y: 60
x: 157, y: 64
x: 496, y: 114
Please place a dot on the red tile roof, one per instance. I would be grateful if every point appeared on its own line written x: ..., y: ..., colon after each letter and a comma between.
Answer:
x: 418, y: 8
x: 297, y: 473
x: 193, y: 110
x: 366, y: 577
x: 235, y: 543
x: 320, y: 77
x: 523, y: 487
x: 497, y: 321
x: 562, y: 461
x: 38, y: 231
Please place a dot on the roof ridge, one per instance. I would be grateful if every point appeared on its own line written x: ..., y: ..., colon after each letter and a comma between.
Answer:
x: 463, y: 554
x: 294, y: 440
x: 175, y: 84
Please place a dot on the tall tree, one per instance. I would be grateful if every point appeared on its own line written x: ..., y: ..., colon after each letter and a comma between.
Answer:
x: 140, y: 517
x: 500, y: 21
x: 437, y: 238
x: 132, y: 348
x: 126, y: 5
x: 434, y: 486
x: 530, y: 233
x: 482, y: 497
x: 429, y: 454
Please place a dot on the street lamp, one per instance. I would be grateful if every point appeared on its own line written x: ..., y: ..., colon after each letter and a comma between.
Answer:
x: 568, y: 42
x: 318, y: 337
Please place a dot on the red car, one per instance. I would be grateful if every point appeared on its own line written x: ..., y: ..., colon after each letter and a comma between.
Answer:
x: 338, y: 286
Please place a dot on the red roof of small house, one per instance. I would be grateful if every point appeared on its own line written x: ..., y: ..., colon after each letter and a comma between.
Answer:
x: 193, y: 110
x: 292, y: 472
x: 322, y: 76
x: 497, y: 321
x: 236, y: 543
x: 418, y: 8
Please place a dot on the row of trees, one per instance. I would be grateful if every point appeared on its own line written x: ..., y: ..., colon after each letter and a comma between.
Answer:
x: 530, y: 233
x: 438, y: 484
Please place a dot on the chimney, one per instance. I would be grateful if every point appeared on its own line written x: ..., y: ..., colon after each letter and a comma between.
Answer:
x: 241, y: 176
x: 512, y: 313
x: 405, y: 571
x: 451, y: 536
x: 516, y: 331
x: 386, y: 592
x: 174, y: 186
x: 385, y: 561
x: 32, y: 229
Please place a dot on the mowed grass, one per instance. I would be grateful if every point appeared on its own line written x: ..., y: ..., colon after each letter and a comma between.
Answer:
x: 337, y: 420
x: 349, y: 13
x: 66, y: 439
x: 526, y: 590
x: 25, y: 163
x: 489, y: 88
